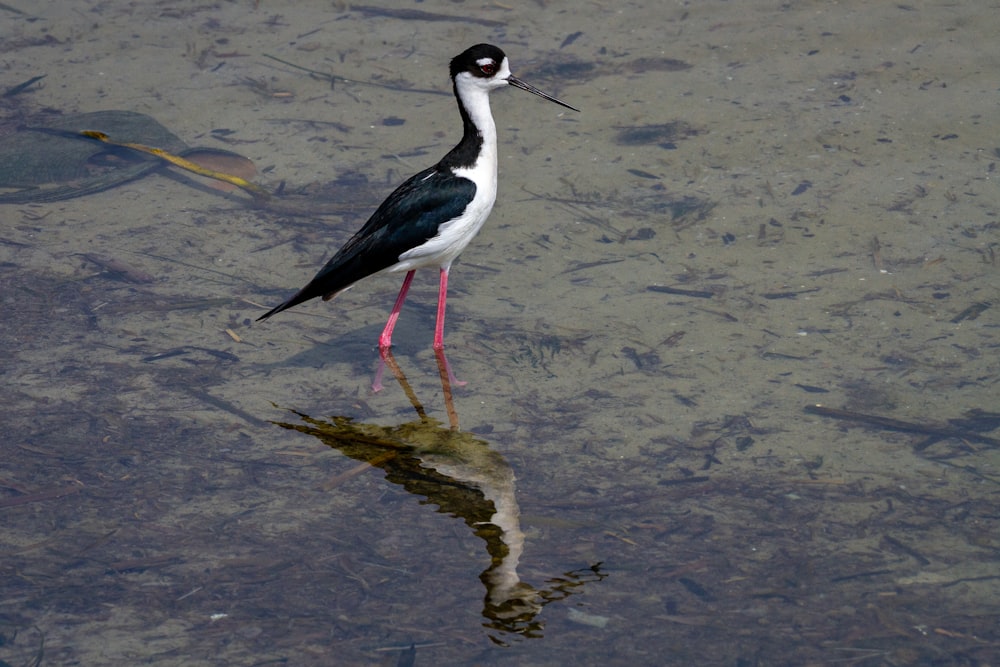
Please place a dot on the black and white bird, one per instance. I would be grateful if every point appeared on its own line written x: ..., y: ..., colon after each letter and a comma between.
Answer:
x: 430, y: 219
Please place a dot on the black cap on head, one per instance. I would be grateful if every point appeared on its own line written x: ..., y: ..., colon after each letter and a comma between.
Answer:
x: 472, y: 58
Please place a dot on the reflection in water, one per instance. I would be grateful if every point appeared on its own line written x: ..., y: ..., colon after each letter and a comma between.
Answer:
x: 464, y: 477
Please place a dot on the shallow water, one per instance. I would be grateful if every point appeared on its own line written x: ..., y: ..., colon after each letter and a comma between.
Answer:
x: 814, y: 186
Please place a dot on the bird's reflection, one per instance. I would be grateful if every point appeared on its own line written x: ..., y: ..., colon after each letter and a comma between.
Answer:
x: 464, y: 477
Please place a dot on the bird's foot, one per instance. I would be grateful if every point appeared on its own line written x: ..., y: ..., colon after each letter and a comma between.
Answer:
x: 445, y: 368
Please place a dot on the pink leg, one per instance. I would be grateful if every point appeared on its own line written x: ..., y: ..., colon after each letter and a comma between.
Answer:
x: 448, y: 378
x: 384, y: 357
x: 377, y: 381
x: 439, y: 330
x: 442, y: 297
x: 385, y: 340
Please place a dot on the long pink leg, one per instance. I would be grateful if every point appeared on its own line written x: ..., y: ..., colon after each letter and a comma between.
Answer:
x: 385, y: 340
x: 439, y: 330
x: 442, y: 297
x: 384, y: 357
x: 451, y: 379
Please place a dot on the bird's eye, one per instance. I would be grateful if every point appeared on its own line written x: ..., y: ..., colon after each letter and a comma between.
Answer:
x: 489, y: 69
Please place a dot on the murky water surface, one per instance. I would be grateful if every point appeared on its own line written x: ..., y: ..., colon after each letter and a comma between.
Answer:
x: 763, y: 208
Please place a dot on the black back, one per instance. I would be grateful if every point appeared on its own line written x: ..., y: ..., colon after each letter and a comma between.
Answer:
x: 409, y: 217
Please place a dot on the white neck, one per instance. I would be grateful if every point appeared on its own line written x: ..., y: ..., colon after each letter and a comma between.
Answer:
x: 476, y: 101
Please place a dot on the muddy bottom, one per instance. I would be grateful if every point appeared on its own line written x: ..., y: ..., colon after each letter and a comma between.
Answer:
x: 725, y: 353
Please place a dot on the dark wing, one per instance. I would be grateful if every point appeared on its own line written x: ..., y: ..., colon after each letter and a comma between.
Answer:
x: 408, y: 218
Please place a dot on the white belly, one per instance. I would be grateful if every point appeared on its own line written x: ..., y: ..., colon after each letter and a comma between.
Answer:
x: 454, y: 236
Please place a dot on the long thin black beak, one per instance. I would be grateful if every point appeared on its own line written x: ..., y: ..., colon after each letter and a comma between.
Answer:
x: 517, y: 83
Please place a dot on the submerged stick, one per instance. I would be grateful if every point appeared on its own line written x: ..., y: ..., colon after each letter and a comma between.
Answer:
x: 21, y: 87
x: 900, y: 425
x: 258, y: 193
x: 333, y: 78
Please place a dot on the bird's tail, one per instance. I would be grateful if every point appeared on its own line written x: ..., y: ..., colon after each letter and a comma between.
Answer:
x: 274, y: 311
x: 302, y: 295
